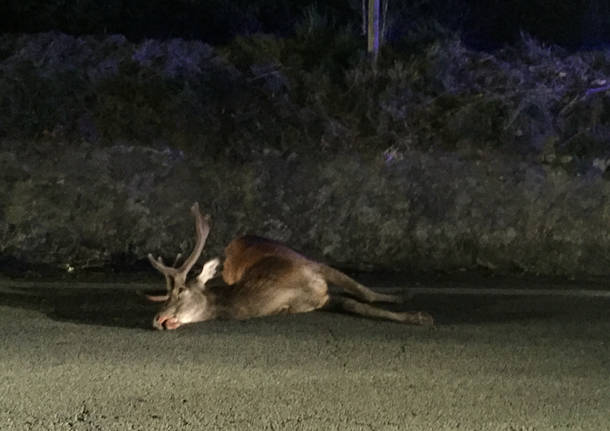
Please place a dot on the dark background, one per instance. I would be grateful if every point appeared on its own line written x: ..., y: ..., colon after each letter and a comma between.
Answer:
x: 480, y: 140
x: 482, y: 23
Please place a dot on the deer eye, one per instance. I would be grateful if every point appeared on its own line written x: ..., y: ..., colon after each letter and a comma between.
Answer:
x: 180, y: 289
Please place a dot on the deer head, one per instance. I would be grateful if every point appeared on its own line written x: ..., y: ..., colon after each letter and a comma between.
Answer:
x: 185, y: 301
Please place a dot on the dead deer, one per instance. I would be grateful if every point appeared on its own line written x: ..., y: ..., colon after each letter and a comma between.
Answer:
x: 261, y: 277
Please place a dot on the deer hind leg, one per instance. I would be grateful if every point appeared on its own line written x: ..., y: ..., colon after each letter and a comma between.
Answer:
x: 352, y: 306
x: 356, y: 289
x: 365, y: 294
x: 368, y: 295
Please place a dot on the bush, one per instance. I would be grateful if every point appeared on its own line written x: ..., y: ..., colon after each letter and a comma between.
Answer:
x: 314, y: 93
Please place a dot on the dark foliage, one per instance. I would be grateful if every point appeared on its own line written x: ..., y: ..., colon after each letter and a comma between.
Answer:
x: 487, y: 24
x: 312, y: 93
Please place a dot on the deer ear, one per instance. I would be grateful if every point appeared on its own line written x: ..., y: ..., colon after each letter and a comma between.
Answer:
x: 208, y: 271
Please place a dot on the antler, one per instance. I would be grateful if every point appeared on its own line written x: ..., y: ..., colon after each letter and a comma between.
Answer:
x: 179, y: 274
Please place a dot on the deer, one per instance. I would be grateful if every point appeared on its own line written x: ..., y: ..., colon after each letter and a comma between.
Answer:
x: 261, y: 277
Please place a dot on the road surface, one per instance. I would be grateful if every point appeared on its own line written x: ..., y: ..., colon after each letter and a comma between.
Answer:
x: 83, y: 356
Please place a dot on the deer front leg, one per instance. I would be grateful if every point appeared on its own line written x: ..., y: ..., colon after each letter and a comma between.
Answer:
x: 352, y: 306
x: 208, y: 272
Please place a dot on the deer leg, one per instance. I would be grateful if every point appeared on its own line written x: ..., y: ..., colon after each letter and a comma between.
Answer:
x: 369, y: 295
x: 352, y: 306
x: 354, y: 288
x: 365, y: 294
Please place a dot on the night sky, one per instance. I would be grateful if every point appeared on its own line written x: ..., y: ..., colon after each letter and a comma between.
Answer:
x: 485, y: 24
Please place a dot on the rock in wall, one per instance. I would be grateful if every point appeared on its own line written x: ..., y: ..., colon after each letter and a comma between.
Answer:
x: 84, y: 205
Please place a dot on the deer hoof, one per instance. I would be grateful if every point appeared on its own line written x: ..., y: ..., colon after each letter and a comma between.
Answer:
x: 424, y: 319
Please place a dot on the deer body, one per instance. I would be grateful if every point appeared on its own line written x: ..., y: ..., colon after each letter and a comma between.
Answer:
x: 261, y: 277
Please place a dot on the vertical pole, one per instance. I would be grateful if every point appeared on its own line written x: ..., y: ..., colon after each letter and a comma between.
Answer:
x: 364, y: 17
x: 373, y: 30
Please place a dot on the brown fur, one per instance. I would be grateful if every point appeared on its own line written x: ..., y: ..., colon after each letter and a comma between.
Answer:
x: 262, y: 277
x: 244, y: 252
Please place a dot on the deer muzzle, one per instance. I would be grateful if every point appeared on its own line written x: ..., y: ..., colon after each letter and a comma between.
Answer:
x: 162, y: 322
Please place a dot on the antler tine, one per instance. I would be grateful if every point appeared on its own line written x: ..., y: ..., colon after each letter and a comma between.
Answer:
x: 160, y: 266
x: 202, y: 228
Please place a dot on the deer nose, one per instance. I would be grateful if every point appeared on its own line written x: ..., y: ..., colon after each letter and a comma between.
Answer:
x: 166, y: 322
x: 158, y: 322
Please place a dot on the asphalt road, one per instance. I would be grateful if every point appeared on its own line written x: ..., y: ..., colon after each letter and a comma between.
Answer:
x: 84, y: 357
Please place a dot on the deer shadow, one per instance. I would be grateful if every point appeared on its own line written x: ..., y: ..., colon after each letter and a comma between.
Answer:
x: 108, y: 306
x: 128, y: 308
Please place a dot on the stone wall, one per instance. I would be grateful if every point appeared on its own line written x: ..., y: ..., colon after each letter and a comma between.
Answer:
x: 85, y: 206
